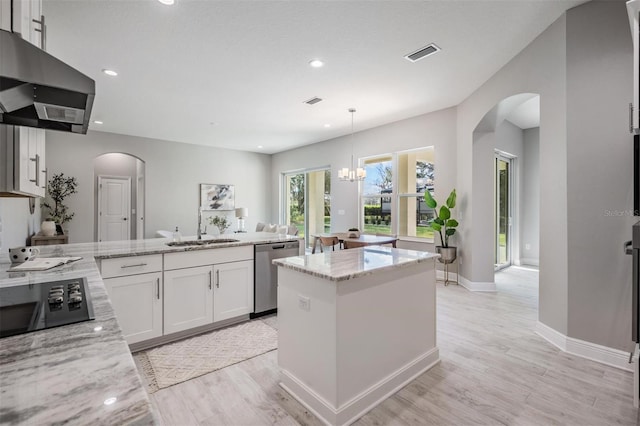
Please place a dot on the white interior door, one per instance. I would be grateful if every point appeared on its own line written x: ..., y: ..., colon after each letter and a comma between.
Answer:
x: 114, y: 213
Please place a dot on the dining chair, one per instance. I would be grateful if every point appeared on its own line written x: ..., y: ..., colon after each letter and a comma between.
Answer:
x: 329, y: 242
x: 353, y: 244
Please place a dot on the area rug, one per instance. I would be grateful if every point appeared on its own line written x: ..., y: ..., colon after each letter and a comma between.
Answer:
x: 177, y: 362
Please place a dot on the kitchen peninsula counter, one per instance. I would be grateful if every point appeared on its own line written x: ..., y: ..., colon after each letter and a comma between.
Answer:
x: 71, y: 374
x: 354, y: 326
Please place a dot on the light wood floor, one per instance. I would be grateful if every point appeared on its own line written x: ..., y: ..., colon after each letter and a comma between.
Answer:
x: 494, y: 370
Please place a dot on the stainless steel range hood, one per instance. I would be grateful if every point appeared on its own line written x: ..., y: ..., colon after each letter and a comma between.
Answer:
x: 38, y: 90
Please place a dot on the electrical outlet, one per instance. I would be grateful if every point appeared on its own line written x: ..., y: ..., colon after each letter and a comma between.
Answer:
x: 527, y: 246
x: 304, y: 303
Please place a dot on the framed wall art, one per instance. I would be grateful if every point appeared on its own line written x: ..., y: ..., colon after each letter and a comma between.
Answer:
x: 216, y: 197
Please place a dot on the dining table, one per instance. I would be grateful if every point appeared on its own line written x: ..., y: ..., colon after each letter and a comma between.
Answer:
x: 363, y: 239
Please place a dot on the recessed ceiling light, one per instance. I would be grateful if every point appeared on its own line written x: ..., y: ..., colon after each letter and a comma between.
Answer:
x: 110, y: 401
x: 327, y: 125
x: 98, y: 328
x: 316, y: 63
x: 259, y: 146
x: 167, y: 2
x: 98, y: 122
x: 112, y: 73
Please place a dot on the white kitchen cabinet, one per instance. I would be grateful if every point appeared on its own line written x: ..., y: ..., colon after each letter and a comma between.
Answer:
x: 22, y: 151
x: 5, y: 15
x: 188, y: 299
x: 137, y: 302
x: 134, y: 285
x: 233, y: 291
x: 27, y: 20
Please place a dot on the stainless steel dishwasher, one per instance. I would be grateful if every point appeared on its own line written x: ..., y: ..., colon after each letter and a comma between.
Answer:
x: 265, y: 280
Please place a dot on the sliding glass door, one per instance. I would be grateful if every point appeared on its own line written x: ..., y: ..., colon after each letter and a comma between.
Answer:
x: 307, y: 202
x: 503, y: 211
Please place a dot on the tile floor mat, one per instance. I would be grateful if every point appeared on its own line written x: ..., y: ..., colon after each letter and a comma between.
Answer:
x: 186, y: 359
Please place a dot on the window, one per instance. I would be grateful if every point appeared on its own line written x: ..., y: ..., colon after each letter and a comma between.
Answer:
x: 378, y: 195
x: 393, y: 193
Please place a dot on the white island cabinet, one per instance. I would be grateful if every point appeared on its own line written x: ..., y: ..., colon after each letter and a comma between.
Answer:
x: 354, y: 326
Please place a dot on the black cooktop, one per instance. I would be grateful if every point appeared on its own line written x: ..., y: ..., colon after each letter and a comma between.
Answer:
x: 31, y: 307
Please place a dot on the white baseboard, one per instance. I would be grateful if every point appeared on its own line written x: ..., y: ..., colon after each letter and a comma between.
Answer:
x: 602, y: 354
x: 477, y: 286
x: 554, y: 337
x: 355, y: 408
x: 529, y: 261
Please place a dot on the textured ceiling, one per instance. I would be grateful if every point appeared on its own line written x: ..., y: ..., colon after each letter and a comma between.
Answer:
x: 243, y: 65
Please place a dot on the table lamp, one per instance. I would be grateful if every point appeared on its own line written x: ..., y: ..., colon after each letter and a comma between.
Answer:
x: 241, y: 214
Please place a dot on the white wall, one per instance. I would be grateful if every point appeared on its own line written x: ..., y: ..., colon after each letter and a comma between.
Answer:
x: 530, y: 217
x: 600, y: 170
x: 435, y: 129
x: 173, y: 174
x: 17, y: 223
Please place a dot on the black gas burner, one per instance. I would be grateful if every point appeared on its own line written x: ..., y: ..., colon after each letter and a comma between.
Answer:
x: 32, y: 307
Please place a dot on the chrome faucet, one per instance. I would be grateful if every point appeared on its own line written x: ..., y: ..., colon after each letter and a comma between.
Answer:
x: 200, y: 224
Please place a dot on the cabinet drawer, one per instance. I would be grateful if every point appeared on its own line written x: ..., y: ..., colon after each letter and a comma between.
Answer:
x: 123, y: 266
x: 188, y: 259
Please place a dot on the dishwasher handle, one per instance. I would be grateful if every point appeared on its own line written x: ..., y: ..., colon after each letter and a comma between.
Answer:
x: 273, y: 247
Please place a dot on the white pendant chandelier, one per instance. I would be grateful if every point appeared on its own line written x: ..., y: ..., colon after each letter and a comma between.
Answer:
x: 354, y: 173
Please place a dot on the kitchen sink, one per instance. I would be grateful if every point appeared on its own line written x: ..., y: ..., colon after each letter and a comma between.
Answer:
x: 201, y: 242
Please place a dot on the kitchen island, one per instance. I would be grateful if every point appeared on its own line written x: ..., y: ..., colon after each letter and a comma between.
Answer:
x: 354, y: 326
x: 82, y: 373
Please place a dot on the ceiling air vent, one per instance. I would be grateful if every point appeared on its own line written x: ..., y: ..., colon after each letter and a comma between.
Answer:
x: 312, y: 101
x: 422, y: 53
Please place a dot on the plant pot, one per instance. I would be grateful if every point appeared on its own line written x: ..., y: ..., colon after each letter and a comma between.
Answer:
x: 59, y: 230
x: 447, y: 254
x: 353, y: 234
x: 48, y: 228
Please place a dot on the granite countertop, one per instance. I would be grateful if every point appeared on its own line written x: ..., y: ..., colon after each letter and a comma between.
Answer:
x: 65, y: 374
x: 354, y: 263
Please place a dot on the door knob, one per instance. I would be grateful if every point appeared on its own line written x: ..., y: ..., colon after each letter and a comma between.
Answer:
x: 124, y: 218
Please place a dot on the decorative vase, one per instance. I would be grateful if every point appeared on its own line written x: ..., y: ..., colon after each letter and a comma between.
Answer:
x: 353, y: 234
x: 59, y: 229
x: 48, y: 228
x: 447, y: 254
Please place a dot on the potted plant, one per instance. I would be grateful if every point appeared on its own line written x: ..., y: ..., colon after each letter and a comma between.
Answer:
x: 353, y: 233
x: 444, y: 225
x: 59, y: 187
x: 220, y: 222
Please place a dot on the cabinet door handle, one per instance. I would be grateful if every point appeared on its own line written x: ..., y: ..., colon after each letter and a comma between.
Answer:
x: 158, y: 288
x: 42, y: 30
x: 45, y: 178
x: 133, y: 266
x: 218, y: 278
x: 37, y: 179
x: 630, y: 118
x: 210, y: 279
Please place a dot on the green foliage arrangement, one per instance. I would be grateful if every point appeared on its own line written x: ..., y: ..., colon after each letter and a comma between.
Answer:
x: 220, y: 222
x: 59, y: 187
x: 443, y: 222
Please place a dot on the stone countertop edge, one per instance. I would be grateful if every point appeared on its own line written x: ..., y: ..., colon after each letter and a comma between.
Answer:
x: 65, y: 374
x: 320, y: 264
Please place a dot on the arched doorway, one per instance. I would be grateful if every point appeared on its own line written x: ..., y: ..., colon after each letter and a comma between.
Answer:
x: 119, y: 185
x: 506, y: 181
